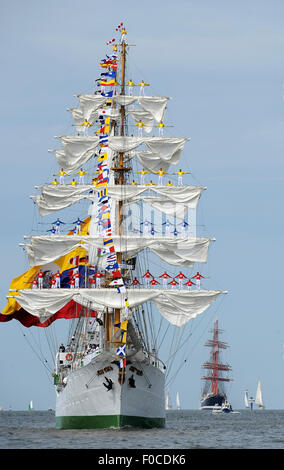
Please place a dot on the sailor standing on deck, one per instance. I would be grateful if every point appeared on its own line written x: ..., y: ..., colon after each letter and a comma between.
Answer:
x: 180, y: 175
x: 147, y: 276
x: 57, y: 279
x: 86, y: 124
x: 78, y: 223
x: 77, y: 276
x: 135, y: 282
x: 130, y: 85
x: 189, y: 284
x: 183, y: 224
x: 198, y: 277
x: 140, y: 126
x: 142, y: 175
x: 161, y: 126
x: 142, y: 85
x: 173, y: 283
x: 81, y: 174
x: 165, y: 276
x: 57, y: 223
x: 61, y: 174
x: 180, y: 276
x: 146, y: 228
x: 40, y: 276
x: 98, y: 276
x: 167, y: 225
x: 161, y: 173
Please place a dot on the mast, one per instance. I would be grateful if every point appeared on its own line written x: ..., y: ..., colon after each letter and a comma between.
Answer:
x: 216, y: 367
x: 121, y: 170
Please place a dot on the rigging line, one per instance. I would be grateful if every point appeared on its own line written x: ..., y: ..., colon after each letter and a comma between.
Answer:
x: 164, y: 336
x: 35, y: 352
x: 202, y: 334
x: 174, y: 346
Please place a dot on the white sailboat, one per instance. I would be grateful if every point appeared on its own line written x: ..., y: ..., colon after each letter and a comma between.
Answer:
x: 110, y: 373
x: 258, y: 396
x: 178, y: 402
x: 31, y: 406
x: 246, y: 399
x: 168, y: 403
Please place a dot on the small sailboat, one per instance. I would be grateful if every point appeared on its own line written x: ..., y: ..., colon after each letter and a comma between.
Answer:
x: 258, y: 396
x: 168, y: 405
x: 246, y: 399
x: 178, y: 402
x: 31, y: 406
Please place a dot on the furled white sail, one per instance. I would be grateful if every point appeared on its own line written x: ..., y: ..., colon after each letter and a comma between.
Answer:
x: 57, y: 198
x: 154, y: 105
x: 91, y: 106
x: 178, y: 306
x: 43, y: 249
x: 144, y: 116
x: 77, y: 150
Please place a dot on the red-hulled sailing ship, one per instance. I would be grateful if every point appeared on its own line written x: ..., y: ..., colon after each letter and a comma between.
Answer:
x: 214, y: 390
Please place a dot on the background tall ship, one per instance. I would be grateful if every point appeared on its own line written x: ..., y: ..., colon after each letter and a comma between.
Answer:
x: 97, y: 274
x: 214, y: 394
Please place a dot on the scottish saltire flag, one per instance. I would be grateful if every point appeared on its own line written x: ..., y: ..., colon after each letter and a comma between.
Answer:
x: 121, y: 350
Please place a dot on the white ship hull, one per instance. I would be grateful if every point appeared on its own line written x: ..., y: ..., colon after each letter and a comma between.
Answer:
x: 86, y: 403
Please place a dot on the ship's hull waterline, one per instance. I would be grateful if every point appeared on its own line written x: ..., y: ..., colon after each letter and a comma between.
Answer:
x: 85, y: 403
x: 211, y: 401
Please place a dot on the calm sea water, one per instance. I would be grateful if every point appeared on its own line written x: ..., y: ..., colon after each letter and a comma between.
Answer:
x: 188, y: 429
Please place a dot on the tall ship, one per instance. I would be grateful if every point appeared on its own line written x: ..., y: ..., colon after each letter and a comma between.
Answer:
x: 214, y: 394
x: 120, y: 257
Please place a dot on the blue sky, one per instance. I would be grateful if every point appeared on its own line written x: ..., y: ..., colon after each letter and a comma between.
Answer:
x: 222, y: 64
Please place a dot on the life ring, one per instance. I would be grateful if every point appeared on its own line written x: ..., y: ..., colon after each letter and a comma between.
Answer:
x: 69, y: 357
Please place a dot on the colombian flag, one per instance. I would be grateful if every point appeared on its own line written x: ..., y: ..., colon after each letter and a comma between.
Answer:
x: 76, y: 259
